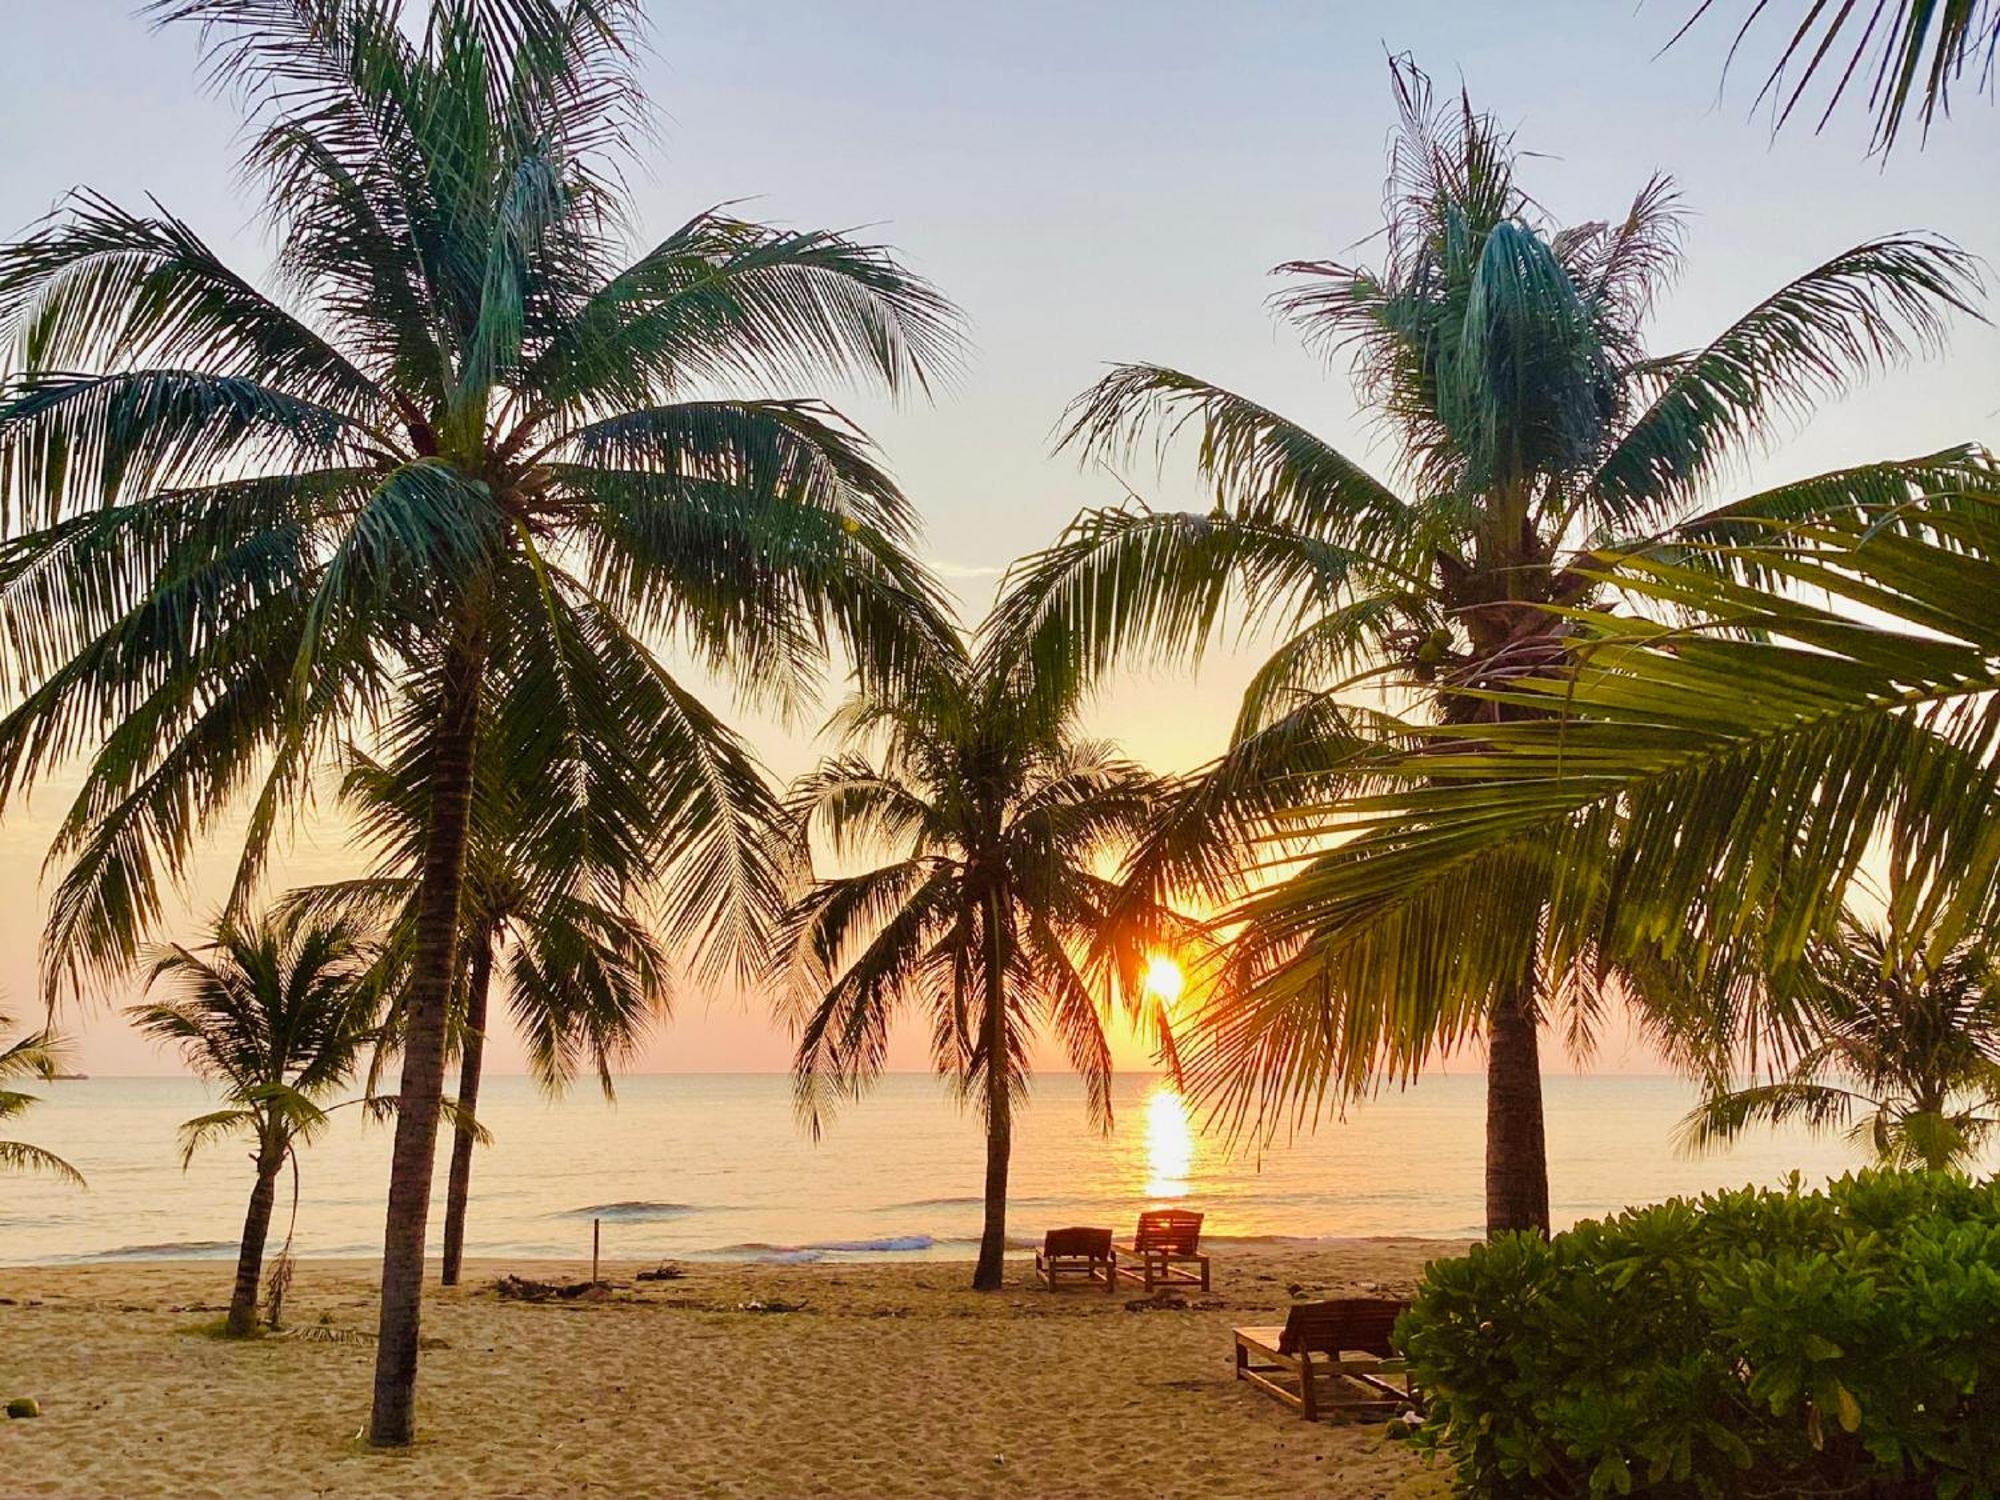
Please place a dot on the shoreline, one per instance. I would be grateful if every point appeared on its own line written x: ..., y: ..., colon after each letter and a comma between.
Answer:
x: 858, y: 1379
x: 893, y: 1250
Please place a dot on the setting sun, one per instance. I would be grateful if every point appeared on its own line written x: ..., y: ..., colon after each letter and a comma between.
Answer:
x: 1164, y: 980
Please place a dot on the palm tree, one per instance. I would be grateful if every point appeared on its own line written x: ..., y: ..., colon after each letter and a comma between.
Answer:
x: 988, y: 915
x: 279, y: 1013
x: 474, y: 462
x: 33, y: 1056
x: 582, y: 979
x: 1910, y: 51
x: 1710, y: 788
x: 1902, y: 1050
x: 1539, y: 439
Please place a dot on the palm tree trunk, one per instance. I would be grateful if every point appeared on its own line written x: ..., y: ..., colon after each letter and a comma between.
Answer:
x: 1517, y: 1155
x: 422, y: 1088
x: 988, y: 1274
x: 242, y: 1321
x: 479, y: 978
x: 1517, y: 1151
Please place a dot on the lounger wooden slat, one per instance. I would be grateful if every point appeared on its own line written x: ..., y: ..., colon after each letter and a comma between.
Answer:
x: 1329, y: 1357
x: 1076, y: 1255
x: 1166, y: 1245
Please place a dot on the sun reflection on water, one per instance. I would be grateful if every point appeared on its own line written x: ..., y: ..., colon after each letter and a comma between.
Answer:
x: 1169, y: 1145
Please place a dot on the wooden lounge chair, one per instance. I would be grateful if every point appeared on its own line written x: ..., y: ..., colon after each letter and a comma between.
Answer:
x: 1167, y: 1243
x: 1077, y: 1255
x: 1329, y: 1356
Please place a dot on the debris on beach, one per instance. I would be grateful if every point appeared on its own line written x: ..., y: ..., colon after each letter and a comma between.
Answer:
x: 667, y: 1270
x: 770, y: 1305
x: 320, y: 1333
x: 323, y: 1333
x: 524, y: 1289
x: 23, y: 1406
x: 1158, y: 1302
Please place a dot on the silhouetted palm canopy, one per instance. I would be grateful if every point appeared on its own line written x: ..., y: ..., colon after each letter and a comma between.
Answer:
x: 981, y: 823
x: 990, y: 916
x: 475, y: 454
x: 35, y: 1055
x: 279, y: 1012
x: 1905, y: 51
x: 1539, y: 438
x: 1899, y: 1048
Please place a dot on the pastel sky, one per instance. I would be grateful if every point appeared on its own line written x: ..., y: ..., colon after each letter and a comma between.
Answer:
x: 1090, y: 183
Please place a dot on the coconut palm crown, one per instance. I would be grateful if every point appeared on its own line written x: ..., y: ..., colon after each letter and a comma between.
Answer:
x: 1902, y: 1050
x: 1538, y: 438
x: 979, y: 823
x: 471, y: 451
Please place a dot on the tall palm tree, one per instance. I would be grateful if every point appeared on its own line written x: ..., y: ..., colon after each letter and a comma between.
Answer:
x: 1901, y: 1050
x: 1539, y: 438
x: 987, y: 915
x: 1710, y: 787
x: 279, y: 1012
x: 474, y: 462
x: 1908, y: 52
x: 35, y: 1055
x: 581, y: 979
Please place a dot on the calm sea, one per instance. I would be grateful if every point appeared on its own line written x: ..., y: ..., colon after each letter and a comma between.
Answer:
x: 718, y: 1166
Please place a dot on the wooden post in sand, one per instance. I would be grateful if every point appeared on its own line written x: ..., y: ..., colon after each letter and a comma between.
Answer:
x: 596, y: 1231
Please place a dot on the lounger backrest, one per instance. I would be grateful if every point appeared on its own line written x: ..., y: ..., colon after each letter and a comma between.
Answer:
x: 1171, y: 1229
x: 1363, y: 1324
x: 1092, y: 1242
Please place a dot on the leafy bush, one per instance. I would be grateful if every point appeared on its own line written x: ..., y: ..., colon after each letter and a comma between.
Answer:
x: 1751, y: 1343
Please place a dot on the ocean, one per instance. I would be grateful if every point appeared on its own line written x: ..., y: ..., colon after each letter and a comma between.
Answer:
x: 718, y: 1166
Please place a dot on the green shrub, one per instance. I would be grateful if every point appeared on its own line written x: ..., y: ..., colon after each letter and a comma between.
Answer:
x: 1752, y: 1343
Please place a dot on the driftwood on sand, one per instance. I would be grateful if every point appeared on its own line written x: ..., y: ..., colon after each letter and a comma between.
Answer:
x: 525, y: 1289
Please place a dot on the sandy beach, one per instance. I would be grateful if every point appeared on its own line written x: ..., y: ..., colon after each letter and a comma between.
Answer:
x: 892, y: 1380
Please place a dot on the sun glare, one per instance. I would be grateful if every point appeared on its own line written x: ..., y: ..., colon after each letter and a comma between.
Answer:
x: 1169, y: 1144
x: 1164, y: 980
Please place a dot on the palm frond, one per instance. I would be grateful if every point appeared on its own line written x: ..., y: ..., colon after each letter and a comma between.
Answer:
x: 19, y: 1156
x: 1869, y: 307
x: 1914, y: 51
x: 1689, y: 790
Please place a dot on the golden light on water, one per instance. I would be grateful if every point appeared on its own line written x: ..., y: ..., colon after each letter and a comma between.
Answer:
x: 1169, y: 1144
x: 1164, y: 980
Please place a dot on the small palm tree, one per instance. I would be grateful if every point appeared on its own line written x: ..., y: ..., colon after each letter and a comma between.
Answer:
x: 36, y: 1055
x: 279, y: 1012
x: 1902, y: 1050
x: 582, y: 981
x: 986, y: 915
x: 1539, y: 439
x: 583, y: 973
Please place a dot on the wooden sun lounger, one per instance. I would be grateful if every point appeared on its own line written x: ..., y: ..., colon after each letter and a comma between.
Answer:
x: 1167, y: 1243
x: 1077, y: 1255
x: 1329, y: 1356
